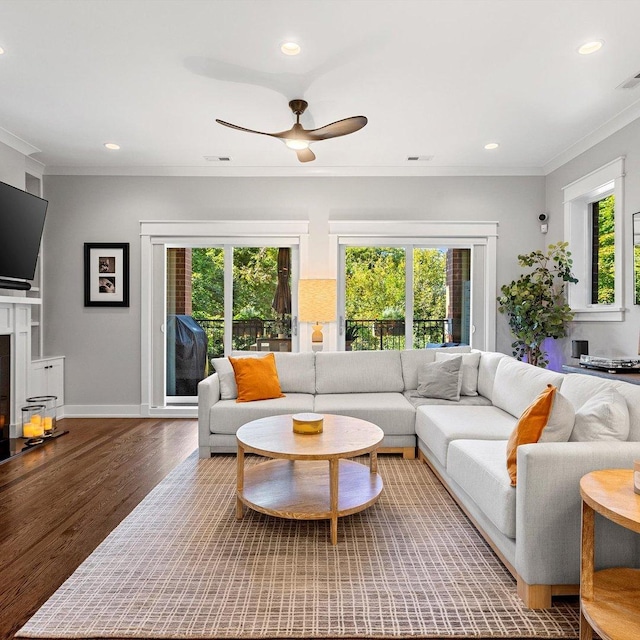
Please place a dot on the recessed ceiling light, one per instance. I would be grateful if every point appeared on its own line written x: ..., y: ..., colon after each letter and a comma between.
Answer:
x: 491, y: 145
x: 590, y: 47
x: 290, y: 48
x: 112, y: 145
x: 1, y: 51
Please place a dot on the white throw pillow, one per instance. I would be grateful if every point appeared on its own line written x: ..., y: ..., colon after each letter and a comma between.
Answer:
x: 470, y: 363
x: 227, y: 377
x: 561, y: 421
x: 605, y: 416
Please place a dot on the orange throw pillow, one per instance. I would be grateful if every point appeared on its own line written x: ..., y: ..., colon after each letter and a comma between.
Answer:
x: 257, y: 378
x: 529, y: 428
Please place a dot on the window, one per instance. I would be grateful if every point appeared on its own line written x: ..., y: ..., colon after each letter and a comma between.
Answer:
x: 405, y: 285
x: 593, y: 227
x: 603, y: 251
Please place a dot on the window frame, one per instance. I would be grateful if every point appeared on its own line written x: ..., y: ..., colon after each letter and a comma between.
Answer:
x: 578, y: 199
x: 480, y: 236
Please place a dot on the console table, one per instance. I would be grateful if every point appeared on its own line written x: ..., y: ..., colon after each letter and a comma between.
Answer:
x: 633, y: 378
x: 610, y: 598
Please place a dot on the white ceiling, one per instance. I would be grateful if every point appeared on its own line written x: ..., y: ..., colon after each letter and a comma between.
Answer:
x: 436, y: 78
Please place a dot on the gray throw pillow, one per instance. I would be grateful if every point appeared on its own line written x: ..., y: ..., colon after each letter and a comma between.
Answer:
x: 441, y: 379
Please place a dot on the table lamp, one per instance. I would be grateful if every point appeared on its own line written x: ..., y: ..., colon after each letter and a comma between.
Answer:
x: 317, y: 304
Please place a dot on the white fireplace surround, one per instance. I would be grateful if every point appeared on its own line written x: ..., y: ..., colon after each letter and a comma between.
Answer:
x: 15, y: 321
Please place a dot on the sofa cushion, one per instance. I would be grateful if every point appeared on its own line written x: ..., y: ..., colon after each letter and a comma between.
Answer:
x: 517, y: 384
x: 226, y: 416
x: 579, y: 388
x: 441, y: 379
x: 605, y: 416
x: 487, y: 367
x: 296, y: 372
x: 358, y: 372
x: 438, y: 426
x: 413, y: 359
x: 477, y: 466
x: 470, y: 362
x: 418, y: 401
x: 390, y: 411
x: 256, y: 378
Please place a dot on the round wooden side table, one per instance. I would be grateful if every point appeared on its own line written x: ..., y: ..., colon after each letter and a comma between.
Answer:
x: 609, y: 599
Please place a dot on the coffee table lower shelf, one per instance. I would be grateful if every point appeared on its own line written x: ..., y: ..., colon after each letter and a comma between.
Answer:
x: 300, y: 490
x: 614, y: 611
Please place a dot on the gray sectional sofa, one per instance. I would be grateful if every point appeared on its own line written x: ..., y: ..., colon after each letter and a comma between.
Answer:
x: 371, y: 385
x: 534, y: 527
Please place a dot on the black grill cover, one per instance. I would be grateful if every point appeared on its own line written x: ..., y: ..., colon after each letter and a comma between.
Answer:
x: 186, y: 355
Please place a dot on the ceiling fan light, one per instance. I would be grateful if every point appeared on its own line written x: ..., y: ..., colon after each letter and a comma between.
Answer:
x: 296, y: 144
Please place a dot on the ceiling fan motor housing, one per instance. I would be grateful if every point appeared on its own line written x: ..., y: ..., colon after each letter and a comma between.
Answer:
x: 298, y: 106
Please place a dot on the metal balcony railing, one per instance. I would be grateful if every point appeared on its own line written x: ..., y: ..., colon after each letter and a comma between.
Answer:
x: 361, y: 335
x: 381, y: 334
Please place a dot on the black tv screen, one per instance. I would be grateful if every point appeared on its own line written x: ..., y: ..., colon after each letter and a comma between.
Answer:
x: 21, y: 224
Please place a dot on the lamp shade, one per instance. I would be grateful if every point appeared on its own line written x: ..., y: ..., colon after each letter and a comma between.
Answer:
x: 317, y: 300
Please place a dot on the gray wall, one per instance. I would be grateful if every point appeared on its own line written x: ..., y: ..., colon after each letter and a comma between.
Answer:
x: 605, y: 338
x: 102, y: 346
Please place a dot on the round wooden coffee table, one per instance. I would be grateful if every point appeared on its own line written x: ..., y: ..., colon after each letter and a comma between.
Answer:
x: 297, y: 482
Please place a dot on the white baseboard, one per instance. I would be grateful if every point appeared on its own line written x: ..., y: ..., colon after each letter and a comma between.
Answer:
x: 102, y: 411
x: 126, y: 411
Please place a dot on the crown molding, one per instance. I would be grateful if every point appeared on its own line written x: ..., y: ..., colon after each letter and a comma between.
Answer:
x: 13, y: 141
x: 290, y: 172
x: 625, y: 117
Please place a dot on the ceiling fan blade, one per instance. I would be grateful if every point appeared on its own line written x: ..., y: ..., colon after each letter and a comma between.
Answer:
x: 235, y: 126
x: 339, y: 128
x: 305, y: 155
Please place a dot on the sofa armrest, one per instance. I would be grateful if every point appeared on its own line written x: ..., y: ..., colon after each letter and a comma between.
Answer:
x: 549, y: 506
x: 208, y: 395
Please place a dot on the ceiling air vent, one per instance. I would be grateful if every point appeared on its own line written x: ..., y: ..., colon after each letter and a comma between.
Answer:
x: 632, y: 82
x: 217, y: 158
x: 419, y: 158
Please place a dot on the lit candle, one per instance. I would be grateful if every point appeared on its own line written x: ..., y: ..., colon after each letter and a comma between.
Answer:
x: 36, y: 418
x: 48, y: 423
x: 27, y: 430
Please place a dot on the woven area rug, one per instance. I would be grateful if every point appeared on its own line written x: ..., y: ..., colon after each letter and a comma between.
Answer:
x: 181, y: 566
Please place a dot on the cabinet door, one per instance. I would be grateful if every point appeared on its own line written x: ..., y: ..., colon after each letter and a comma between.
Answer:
x: 38, y: 382
x: 47, y: 379
x: 55, y: 380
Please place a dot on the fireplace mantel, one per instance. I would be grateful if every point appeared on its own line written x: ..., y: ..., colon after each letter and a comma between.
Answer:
x: 15, y: 321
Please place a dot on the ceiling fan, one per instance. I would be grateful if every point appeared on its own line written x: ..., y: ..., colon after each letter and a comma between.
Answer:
x: 298, y: 138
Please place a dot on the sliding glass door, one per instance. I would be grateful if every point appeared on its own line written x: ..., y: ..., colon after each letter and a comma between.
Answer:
x: 404, y: 297
x: 221, y: 299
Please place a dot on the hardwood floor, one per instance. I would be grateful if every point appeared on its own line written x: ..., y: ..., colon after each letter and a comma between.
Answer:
x: 58, y: 502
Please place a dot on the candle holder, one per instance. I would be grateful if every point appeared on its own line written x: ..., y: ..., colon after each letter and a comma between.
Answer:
x: 49, y: 414
x: 33, y: 420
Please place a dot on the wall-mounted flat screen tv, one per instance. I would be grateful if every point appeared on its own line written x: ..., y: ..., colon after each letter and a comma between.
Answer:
x: 21, y: 224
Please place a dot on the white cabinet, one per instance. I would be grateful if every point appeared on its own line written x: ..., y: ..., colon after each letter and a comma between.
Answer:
x: 47, y: 378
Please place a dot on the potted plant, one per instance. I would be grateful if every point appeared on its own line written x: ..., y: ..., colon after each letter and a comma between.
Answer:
x: 351, y: 332
x: 536, y: 304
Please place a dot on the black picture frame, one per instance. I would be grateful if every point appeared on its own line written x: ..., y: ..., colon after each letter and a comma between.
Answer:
x: 106, y: 274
